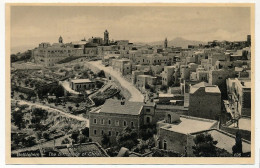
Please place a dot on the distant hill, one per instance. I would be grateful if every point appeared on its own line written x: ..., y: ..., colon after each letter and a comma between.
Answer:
x: 178, y: 42
x: 23, y: 48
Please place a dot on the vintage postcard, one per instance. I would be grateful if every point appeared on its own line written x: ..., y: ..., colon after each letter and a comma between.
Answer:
x: 130, y: 83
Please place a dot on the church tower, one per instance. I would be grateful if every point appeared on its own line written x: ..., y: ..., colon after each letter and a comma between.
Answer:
x: 165, y: 43
x: 106, y: 37
x: 60, y: 40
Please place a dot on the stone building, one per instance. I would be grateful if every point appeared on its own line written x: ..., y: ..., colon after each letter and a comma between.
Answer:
x: 80, y: 84
x: 218, y: 77
x: 115, y: 115
x: 202, y: 75
x: 123, y: 66
x: 168, y: 75
x: 204, y: 101
x: 239, y: 95
x: 106, y: 37
x: 173, y: 131
x: 49, y: 55
x: 145, y: 80
x: 185, y: 72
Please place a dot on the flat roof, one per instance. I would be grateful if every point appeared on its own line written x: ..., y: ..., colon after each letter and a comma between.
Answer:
x: 208, y: 88
x: 189, y: 125
x: 81, y: 81
x: 212, y: 89
x: 244, y: 124
x: 165, y: 95
x: 115, y: 107
x: 247, y: 84
x: 146, y: 76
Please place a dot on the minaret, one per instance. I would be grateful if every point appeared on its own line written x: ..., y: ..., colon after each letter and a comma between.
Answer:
x: 60, y: 40
x: 106, y: 37
x: 165, y: 43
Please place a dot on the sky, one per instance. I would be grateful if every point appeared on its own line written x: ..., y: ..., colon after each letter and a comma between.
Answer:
x: 31, y: 25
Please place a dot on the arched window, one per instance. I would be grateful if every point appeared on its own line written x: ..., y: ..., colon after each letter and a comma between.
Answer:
x: 132, y: 124
x: 148, y: 120
x: 164, y: 144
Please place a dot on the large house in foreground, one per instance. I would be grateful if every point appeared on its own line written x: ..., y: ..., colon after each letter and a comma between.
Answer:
x: 115, y: 115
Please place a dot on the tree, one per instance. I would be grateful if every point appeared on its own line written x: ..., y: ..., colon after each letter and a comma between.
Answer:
x: 99, y: 84
x: 65, y: 141
x: 85, y: 74
x: 85, y: 131
x: 13, y: 58
x: 21, y: 97
x: 18, y: 118
x: 140, y: 148
x: 237, y: 148
x: 99, y: 100
x: 163, y: 88
x: 101, y: 74
x: 127, y: 138
x: 74, y: 136
x: 46, y: 135
x: 82, y: 139
x: 58, y: 91
x: 105, y: 140
x: 38, y: 114
x: 26, y: 82
x: 77, y: 105
x: 30, y: 141
x: 70, y: 108
x: 29, y: 98
x: 204, y: 146
x: 148, y: 132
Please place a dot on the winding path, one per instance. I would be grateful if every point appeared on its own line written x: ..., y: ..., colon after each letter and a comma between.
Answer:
x: 136, y: 95
x: 50, y: 109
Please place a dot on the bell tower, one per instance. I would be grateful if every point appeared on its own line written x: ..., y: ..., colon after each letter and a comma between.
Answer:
x: 165, y: 43
x: 106, y: 37
x: 60, y: 40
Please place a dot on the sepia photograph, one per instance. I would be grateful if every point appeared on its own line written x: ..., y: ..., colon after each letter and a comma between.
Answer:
x: 158, y: 83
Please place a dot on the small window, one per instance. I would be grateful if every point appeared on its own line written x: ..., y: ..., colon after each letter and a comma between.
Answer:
x: 148, y: 110
x: 117, y: 133
x: 132, y: 124
x: 95, y: 120
x: 148, y: 120
x: 117, y: 123
x: 102, y: 121
x: 102, y: 132
x: 109, y: 133
x: 95, y: 132
x: 125, y: 123
x: 109, y: 122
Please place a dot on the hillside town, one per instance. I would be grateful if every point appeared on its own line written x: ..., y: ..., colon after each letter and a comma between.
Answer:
x: 99, y: 97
